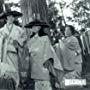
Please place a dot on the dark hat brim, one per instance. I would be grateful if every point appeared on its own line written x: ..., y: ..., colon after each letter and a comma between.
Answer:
x: 2, y: 16
x: 36, y: 23
x: 13, y: 13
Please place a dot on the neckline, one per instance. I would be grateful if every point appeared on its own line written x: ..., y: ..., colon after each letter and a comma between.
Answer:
x: 9, y: 28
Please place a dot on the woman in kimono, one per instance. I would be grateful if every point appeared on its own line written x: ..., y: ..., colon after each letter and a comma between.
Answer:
x: 71, y: 54
x: 9, y: 34
x: 42, y: 55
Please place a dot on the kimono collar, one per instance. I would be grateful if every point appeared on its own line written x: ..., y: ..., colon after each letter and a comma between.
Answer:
x: 68, y: 36
x: 36, y: 36
x: 8, y: 30
x: 9, y: 27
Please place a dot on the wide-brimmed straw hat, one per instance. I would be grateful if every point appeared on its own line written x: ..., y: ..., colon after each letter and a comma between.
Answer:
x: 8, y: 13
x: 37, y: 22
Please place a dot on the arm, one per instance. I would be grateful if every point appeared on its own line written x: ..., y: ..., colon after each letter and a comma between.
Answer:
x: 22, y: 36
x: 49, y: 65
x: 73, y: 45
x: 50, y: 53
x: 19, y: 41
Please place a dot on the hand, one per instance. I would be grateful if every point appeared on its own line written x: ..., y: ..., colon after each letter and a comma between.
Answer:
x: 46, y: 64
x: 57, y: 85
x: 5, y: 76
x: 76, y: 53
x: 15, y: 43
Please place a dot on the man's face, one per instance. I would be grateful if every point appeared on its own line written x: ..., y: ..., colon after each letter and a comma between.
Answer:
x: 10, y: 19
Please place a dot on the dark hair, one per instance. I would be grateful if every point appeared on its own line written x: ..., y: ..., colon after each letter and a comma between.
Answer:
x: 73, y: 31
x: 16, y: 22
x: 32, y: 35
x: 40, y: 33
x: 82, y: 30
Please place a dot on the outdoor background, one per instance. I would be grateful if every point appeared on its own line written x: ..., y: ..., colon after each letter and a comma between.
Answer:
x: 57, y: 13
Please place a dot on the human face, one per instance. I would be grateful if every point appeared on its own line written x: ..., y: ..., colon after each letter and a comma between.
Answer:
x: 68, y: 31
x: 35, y: 29
x: 10, y: 19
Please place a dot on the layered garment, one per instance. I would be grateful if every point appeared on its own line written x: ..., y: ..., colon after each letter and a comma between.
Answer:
x: 8, y: 53
x: 41, y: 50
x: 69, y: 52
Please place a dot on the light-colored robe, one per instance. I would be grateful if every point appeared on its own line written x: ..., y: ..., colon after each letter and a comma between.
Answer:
x: 41, y: 50
x: 9, y: 64
x: 66, y: 51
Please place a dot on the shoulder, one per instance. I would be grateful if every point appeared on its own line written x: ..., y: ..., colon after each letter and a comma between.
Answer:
x: 17, y: 27
x: 73, y: 38
x: 45, y: 38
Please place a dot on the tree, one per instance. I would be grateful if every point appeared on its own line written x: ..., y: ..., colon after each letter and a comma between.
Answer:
x: 81, y: 13
x: 34, y: 9
x: 1, y: 5
x: 55, y: 19
x: 2, y: 22
x: 39, y: 7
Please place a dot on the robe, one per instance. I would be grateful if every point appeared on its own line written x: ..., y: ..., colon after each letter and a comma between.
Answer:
x: 8, y: 53
x: 41, y: 50
x: 69, y: 52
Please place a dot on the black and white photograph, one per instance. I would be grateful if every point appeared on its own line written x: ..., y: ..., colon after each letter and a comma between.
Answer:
x: 44, y: 44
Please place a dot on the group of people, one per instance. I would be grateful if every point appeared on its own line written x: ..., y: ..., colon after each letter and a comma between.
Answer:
x: 44, y: 60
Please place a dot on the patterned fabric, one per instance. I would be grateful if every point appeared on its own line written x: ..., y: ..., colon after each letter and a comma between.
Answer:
x: 41, y: 50
x: 8, y: 54
x: 76, y: 73
x: 42, y: 85
x: 7, y: 84
x: 71, y: 56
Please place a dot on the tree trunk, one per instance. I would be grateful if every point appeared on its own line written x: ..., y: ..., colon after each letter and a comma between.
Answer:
x: 27, y: 11
x: 1, y: 5
x: 40, y: 7
x: 34, y: 9
x: 2, y: 22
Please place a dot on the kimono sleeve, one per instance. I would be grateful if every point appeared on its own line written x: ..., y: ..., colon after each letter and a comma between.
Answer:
x: 77, y: 48
x: 71, y: 44
x: 50, y: 53
x: 74, y: 45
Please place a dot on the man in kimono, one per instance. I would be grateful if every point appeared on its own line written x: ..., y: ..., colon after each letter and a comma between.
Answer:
x: 41, y: 53
x: 9, y: 34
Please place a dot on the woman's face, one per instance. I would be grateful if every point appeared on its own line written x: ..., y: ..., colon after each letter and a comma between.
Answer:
x: 35, y: 29
x: 68, y: 31
x: 10, y: 19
